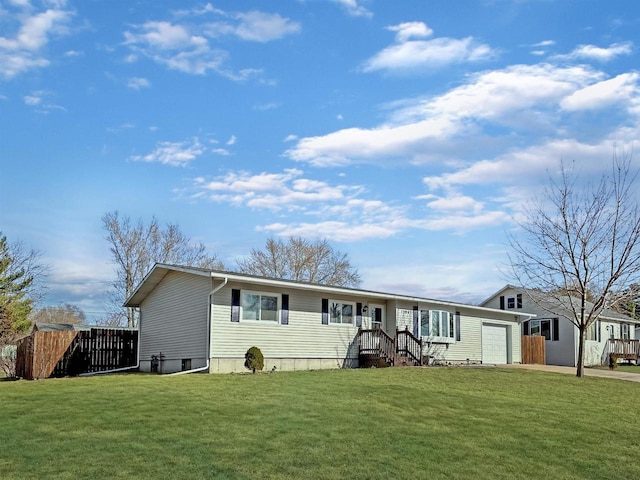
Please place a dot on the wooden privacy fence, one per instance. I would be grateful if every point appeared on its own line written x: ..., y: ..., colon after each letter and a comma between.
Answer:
x: 533, y: 349
x: 63, y: 353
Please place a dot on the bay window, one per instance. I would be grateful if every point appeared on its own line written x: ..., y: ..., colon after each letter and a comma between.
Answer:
x: 437, y: 323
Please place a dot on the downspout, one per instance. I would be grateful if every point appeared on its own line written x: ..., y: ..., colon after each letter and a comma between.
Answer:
x: 136, y: 366
x: 209, y: 298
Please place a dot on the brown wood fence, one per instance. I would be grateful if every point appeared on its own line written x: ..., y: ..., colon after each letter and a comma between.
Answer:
x: 63, y: 353
x: 533, y: 349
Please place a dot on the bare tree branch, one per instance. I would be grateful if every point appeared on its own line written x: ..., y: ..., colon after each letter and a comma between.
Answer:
x: 580, y: 247
x: 136, y: 247
x: 303, y: 260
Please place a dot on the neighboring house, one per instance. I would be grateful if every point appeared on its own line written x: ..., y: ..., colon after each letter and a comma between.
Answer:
x: 192, y: 318
x: 561, y: 335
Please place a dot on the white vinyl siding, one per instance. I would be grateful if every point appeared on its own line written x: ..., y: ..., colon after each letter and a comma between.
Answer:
x: 304, y: 337
x: 174, y: 318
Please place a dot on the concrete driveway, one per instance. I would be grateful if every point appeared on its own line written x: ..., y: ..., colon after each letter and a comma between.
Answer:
x: 589, y: 372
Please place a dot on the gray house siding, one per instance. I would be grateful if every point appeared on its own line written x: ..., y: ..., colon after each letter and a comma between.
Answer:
x: 174, y: 322
x: 564, y: 350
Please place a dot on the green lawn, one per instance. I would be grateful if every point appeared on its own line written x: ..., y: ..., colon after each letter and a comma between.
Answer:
x: 402, y: 423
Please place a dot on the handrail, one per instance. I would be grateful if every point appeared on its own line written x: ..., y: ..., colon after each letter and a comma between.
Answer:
x: 377, y: 341
x: 409, y: 345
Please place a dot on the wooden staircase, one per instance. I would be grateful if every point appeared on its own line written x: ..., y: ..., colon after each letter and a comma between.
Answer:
x: 376, y: 348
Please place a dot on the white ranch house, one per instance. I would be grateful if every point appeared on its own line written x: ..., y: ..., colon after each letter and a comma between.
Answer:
x: 200, y: 319
x: 612, y: 332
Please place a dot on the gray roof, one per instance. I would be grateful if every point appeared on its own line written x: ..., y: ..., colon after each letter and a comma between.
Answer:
x: 552, y: 305
x: 159, y: 271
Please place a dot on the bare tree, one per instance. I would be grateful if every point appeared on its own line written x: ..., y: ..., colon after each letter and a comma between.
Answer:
x: 136, y: 247
x: 580, y: 247
x: 67, y: 314
x: 304, y: 260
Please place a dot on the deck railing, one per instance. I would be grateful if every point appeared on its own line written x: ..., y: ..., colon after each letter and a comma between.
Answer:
x: 625, y: 348
x: 377, y: 342
x: 409, y: 345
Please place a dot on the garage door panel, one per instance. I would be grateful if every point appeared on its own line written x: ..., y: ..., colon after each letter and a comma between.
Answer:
x: 494, y: 344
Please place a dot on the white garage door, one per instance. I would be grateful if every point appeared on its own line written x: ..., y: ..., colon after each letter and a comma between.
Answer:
x: 494, y: 344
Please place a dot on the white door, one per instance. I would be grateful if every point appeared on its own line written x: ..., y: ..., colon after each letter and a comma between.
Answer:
x: 494, y: 344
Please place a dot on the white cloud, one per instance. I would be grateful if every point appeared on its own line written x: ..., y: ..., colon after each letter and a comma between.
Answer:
x: 408, y: 30
x: 270, y: 191
x: 175, y: 47
x: 232, y: 140
x: 175, y: 154
x: 354, y: 8
x: 136, y: 83
x: 264, y: 27
x: 408, y: 55
x: 525, y: 166
x: 623, y: 88
x: 544, y: 43
x: 32, y: 100
x: 592, y: 52
x: 22, y: 51
x: 453, y: 202
x: 515, y: 97
x: 38, y: 100
x: 263, y: 107
x: 187, y: 48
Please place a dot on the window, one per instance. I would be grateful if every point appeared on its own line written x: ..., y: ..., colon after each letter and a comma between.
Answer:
x: 544, y: 327
x: 593, y: 332
x: 186, y: 364
x: 341, y: 312
x: 625, y: 331
x: 436, y: 323
x: 511, y: 302
x: 519, y: 300
x: 259, y: 306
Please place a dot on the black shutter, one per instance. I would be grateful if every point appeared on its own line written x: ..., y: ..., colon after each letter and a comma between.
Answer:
x: 502, y: 302
x: 358, y: 314
x: 525, y: 328
x: 556, y: 329
x: 457, y: 326
x: 235, y: 305
x: 519, y: 300
x: 284, y: 313
x: 325, y: 311
x: 415, y: 320
x: 598, y: 331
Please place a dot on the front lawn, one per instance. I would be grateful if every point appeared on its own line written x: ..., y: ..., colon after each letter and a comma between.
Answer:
x: 404, y: 423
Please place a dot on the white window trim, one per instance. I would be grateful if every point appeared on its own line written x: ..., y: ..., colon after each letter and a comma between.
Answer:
x: 342, y: 304
x: 451, y: 326
x: 266, y: 294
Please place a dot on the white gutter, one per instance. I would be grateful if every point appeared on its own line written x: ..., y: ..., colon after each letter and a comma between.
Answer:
x: 209, y: 300
x: 137, y: 365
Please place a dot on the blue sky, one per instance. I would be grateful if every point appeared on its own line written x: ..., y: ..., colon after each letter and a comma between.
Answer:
x: 409, y: 134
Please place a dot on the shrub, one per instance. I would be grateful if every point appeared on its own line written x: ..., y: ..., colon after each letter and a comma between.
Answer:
x: 253, y: 359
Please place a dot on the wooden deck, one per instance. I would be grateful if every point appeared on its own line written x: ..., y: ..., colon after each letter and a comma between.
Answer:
x: 621, y: 348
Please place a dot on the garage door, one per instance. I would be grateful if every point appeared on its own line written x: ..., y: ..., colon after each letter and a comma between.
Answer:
x: 494, y: 344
